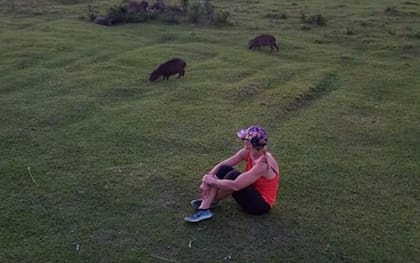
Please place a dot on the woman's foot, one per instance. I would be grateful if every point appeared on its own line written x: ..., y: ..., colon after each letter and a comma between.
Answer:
x: 199, y: 215
x: 197, y: 202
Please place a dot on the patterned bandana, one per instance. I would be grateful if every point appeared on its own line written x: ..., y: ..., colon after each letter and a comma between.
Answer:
x: 255, y: 134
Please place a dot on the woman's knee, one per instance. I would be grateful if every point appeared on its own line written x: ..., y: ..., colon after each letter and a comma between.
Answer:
x: 223, y: 170
x: 232, y: 175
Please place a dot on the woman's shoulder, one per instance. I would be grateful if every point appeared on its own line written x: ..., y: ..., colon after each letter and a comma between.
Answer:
x: 243, y: 152
x: 270, y: 156
x: 272, y: 162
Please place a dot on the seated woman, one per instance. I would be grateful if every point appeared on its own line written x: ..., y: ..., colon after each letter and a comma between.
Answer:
x: 255, y: 190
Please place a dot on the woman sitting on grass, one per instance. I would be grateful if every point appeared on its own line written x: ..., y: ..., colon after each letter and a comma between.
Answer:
x: 255, y: 190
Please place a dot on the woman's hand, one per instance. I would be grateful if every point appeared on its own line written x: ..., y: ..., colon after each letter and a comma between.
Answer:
x: 209, y: 179
x: 204, y: 190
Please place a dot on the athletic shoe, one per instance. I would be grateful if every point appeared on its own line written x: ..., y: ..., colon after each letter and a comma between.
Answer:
x: 197, y: 202
x: 200, y: 215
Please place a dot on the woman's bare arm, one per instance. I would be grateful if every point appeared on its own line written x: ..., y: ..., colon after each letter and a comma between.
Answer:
x: 235, y: 159
x: 242, y: 181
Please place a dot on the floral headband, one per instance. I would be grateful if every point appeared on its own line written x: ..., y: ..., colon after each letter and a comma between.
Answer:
x: 255, y: 134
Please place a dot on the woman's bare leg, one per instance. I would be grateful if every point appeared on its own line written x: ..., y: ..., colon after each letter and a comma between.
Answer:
x: 222, y: 194
x: 214, y: 194
x: 206, y: 201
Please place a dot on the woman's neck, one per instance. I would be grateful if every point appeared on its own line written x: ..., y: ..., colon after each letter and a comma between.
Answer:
x: 256, y: 154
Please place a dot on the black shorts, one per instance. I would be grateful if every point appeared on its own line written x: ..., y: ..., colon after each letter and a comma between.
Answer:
x: 249, y: 199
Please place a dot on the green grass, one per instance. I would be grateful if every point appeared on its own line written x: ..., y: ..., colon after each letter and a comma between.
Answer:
x: 116, y: 159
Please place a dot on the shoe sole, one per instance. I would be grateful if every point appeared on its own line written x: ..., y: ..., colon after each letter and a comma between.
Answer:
x: 198, y: 220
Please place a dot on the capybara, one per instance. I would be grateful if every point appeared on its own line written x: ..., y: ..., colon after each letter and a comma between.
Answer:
x: 105, y: 20
x: 263, y: 40
x: 170, y: 67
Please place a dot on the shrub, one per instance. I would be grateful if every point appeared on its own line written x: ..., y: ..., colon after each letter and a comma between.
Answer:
x: 277, y: 16
x: 317, y: 20
x: 391, y: 9
x: 68, y: 2
x: 208, y: 10
x: 222, y: 18
x: 302, y: 15
x: 194, y: 13
x: 172, y: 15
x: 202, y: 13
x: 284, y: 15
x: 305, y: 27
x: 92, y: 12
x: 184, y: 5
x: 349, y: 31
x: 364, y: 23
x: 117, y: 11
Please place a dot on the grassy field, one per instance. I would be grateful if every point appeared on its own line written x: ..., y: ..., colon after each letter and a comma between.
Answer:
x: 94, y: 156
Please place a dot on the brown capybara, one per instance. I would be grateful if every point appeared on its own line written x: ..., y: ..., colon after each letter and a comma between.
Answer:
x: 105, y: 20
x: 263, y: 40
x: 170, y: 67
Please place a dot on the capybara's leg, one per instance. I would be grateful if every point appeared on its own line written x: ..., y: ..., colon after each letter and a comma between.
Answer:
x: 181, y: 73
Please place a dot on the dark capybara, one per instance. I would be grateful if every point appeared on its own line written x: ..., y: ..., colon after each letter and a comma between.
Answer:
x: 170, y: 67
x: 136, y: 7
x: 104, y: 20
x: 263, y: 40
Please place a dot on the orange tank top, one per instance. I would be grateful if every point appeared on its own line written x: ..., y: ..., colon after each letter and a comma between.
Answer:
x: 266, y: 187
